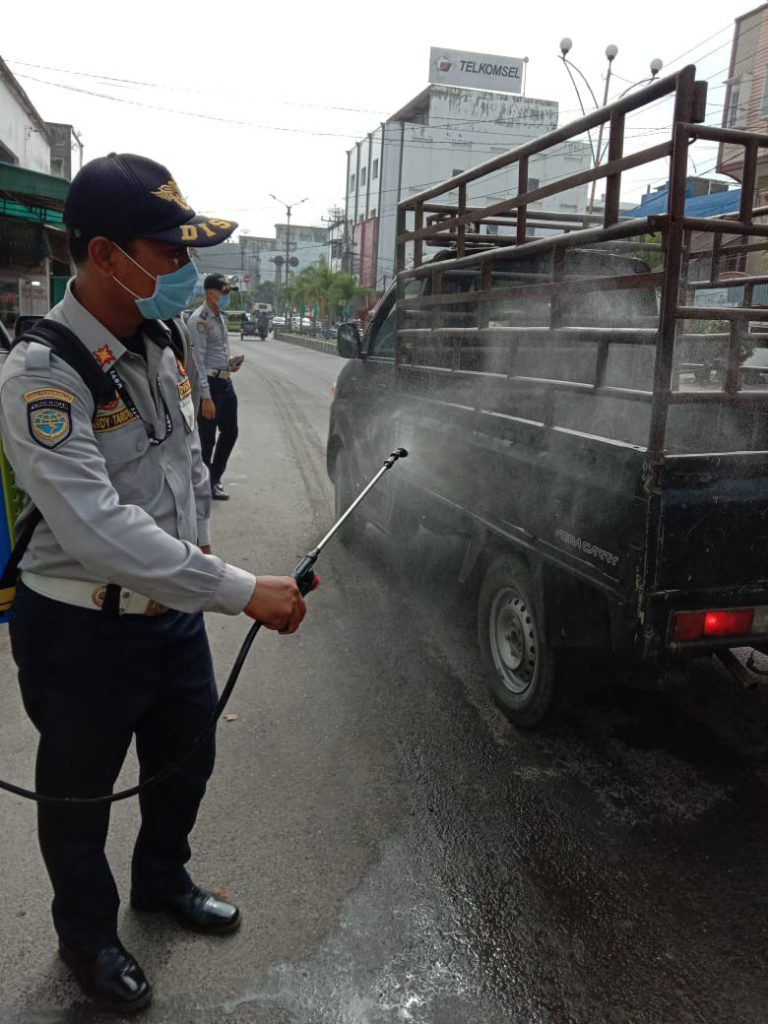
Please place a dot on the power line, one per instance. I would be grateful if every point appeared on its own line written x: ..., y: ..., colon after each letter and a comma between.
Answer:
x: 187, y: 113
x: 181, y: 88
x: 704, y: 42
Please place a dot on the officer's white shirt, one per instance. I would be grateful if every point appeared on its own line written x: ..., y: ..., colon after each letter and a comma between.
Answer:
x: 208, y: 331
x: 116, y: 508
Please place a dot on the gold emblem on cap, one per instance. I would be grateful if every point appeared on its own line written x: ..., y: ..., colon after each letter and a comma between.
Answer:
x: 171, y: 192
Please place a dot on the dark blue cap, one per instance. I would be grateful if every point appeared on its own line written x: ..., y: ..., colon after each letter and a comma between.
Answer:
x: 124, y: 196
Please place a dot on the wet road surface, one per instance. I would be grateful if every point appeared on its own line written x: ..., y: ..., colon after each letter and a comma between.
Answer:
x: 400, y: 852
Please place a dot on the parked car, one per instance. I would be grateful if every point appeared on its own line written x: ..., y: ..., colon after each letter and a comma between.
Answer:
x: 278, y: 321
x: 302, y: 325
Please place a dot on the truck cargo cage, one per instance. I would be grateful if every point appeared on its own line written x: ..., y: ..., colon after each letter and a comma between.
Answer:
x: 654, y: 322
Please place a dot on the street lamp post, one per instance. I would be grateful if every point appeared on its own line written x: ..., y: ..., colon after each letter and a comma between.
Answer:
x: 288, y: 208
x: 610, y: 52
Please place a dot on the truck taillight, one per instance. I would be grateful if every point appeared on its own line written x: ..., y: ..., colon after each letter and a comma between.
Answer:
x: 716, y: 623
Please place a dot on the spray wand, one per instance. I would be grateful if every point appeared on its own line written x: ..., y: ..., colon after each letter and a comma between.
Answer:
x: 304, y: 573
x: 306, y: 580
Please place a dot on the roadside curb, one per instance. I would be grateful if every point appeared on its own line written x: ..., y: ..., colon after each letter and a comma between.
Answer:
x: 319, y: 344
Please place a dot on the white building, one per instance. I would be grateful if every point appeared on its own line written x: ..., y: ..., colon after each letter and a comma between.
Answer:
x: 24, y: 138
x: 443, y: 131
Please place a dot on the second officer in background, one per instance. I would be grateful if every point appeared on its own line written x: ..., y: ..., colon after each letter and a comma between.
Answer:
x: 217, y: 419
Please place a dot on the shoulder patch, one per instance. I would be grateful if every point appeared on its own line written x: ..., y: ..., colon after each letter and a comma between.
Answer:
x: 38, y: 393
x: 49, y: 416
x: 201, y: 326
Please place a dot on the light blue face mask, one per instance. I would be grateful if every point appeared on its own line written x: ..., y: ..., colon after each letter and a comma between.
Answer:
x: 171, y: 294
x: 224, y: 301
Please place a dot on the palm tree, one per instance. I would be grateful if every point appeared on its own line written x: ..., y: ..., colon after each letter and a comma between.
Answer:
x: 329, y: 293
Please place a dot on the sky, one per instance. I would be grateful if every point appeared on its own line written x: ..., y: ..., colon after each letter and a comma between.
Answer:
x: 249, y: 99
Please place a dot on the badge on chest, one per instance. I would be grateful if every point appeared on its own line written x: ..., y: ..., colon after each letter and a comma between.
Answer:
x: 186, y: 405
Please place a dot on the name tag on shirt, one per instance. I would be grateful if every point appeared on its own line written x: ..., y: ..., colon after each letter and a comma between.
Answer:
x: 184, y: 388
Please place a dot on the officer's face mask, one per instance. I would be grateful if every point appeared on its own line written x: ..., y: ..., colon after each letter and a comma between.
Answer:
x: 171, y: 294
x: 224, y: 300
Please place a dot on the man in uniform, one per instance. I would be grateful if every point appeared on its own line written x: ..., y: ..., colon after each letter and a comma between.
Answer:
x: 218, y: 409
x: 107, y: 628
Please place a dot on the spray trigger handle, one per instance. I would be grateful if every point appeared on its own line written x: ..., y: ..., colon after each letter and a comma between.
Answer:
x: 304, y: 574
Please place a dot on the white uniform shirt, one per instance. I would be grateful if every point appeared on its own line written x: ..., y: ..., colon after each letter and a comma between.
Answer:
x: 123, y: 491
x: 208, y: 331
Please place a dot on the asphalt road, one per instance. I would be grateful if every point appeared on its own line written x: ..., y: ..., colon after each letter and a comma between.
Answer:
x: 400, y: 853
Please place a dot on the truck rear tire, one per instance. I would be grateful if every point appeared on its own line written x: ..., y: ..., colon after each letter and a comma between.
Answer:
x: 510, y: 624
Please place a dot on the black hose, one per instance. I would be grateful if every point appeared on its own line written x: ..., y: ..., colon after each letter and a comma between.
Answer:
x: 166, y: 772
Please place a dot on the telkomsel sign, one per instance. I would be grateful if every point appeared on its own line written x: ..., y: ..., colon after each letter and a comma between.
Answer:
x: 476, y: 70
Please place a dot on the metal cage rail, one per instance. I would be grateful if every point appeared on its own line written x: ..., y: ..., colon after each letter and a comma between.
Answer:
x: 461, y: 323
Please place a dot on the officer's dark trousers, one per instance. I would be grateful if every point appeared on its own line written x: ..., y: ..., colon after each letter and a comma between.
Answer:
x: 89, y: 684
x: 216, y: 451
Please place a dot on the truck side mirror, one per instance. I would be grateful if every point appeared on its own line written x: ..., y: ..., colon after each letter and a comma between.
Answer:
x: 348, y: 341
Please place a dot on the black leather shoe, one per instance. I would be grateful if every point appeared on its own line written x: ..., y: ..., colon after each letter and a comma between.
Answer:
x: 218, y: 493
x: 198, y: 910
x: 110, y: 977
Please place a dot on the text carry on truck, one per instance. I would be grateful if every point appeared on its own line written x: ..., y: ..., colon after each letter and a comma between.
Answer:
x: 546, y: 374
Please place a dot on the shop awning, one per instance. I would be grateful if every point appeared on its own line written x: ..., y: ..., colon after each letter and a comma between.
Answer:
x: 31, y: 196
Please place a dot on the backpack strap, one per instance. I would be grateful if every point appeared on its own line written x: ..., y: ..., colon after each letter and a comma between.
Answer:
x: 11, y: 571
x: 68, y: 347
x: 173, y: 336
x: 178, y: 341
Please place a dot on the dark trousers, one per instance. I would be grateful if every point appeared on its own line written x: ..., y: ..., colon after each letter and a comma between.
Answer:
x: 216, y: 451
x: 89, y: 684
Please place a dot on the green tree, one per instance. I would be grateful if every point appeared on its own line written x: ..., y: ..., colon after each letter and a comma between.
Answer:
x: 344, y: 290
x: 323, y: 292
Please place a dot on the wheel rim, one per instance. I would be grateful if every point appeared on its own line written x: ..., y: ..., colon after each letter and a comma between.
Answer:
x: 514, y: 640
